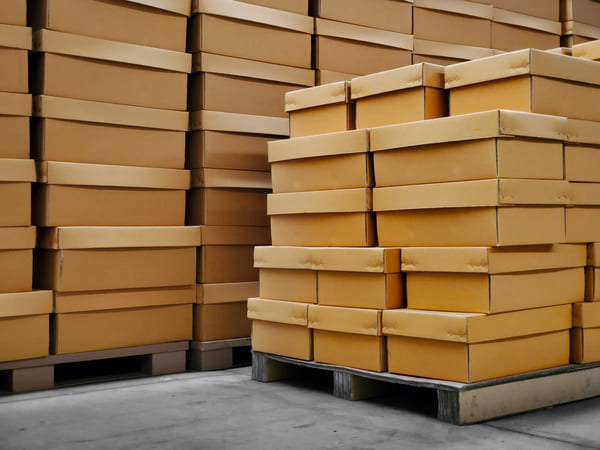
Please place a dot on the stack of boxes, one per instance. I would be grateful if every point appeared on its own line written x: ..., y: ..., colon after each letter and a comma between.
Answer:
x: 580, y: 21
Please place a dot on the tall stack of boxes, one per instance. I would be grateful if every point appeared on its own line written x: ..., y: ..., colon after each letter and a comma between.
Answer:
x: 109, y: 140
x: 580, y: 21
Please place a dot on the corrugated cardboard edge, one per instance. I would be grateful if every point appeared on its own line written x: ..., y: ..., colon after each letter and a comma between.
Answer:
x: 526, y: 21
x: 229, y: 178
x: 583, y: 132
x: 17, y: 238
x: 348, y: 31
x: 345, y: 320
x: 17, y: 170
x: 239, y: 123
x: 64, y: 238
x: 25, y: 303
x: 254, y: 13
x: 587, y: 50
x: 235, y: 235
x: 326, y: 94
x: 341, y: 143
x: 226, y: 65
x: 88, y: 47
x: 455, y: 51
x: 15, y: 104
x: 181, y: 7
x: 571, y: 28
x: 13, y: 36
x: 418, y: 75
x: 462, y: 7
x: 318, y: 202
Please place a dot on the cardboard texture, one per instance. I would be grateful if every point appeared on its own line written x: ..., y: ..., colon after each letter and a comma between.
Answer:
x: 295, y: 6
x: 582, y: 224
x: 589, y: 50
x: 584, y: 11
x: 585, y: 335
x: 16, y: 258
x: 289, y: 285
x: 14, y: 125
x: 381, y: 14
x: 238, y: 123
x: 438, y: 60
x: 361, y: 290
x: 513, y: 31
x: 327, y: 76
x: 16, y: 176
x: 592, y: 284
x: 215, y: 322
x: 210, y: 294
x: 536, y: 8
x: 15, y: 41
x: 444, y: 52
x: 13, y: 12
x: 23, y: 304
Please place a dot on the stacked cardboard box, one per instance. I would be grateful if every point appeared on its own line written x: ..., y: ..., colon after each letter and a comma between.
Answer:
x: 587, y: 50
x: 24, y: 313
x: 109, y: 140
x: 580, y: 21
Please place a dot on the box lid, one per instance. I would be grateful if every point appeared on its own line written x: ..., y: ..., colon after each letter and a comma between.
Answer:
x: 227, y: 178
x: 235, y: 235
x: 587, y: 50
x: 463, y: 7
x: 13, y: 36
x: 254, y: 13
x: 583, y: 132
x: 333, y: 201
x: 15, y: 104
x: 65, y: 238
x: 17, y: 238
x: 341, y: 30
x: 341, y: 143
x: 182, y: 7
x: 480, y: 125
x: 226, y: 65
x: 239, y: 123
x: 584, y: 194
x: 472, y: 328
x: 417, y: 75
x: 326, y: 94
x: 493, y: 260
x: 586, y: 315
x: 345, y: 320
x: 464, y: 194
x: 339, y: 259
x: 25, y: 303
x: 86, y: 111
x: 17, y: 170
x: 291, y: 313
x: 209, y: 294
x: 88, y: 47
x: 526, y: 21
x: 523, y: 62
x: 594, y: 254
x: 571, y: 28
x: 446, y: 50
x: 77, y: 174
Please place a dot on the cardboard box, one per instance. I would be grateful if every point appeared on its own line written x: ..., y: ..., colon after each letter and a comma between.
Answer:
x: 527, y: 80
x: 16, y: 258
x: 380, y: 14
x: 361, y: 290
x: 492, y: 280
x: 515, y: 31
x: 582, y: 224
x: 348, y: 337
x: 102, y: 258
x: 214, y: 322
x: 574, y: 33
x: 359, y: 50
x: 328, y: 76
x: 585, y: 334
x: 583, y: 11
x: 592, y: 274
x: 319, y: 110
x: 281, y: 328
x: 295, y: 6
x: 548, y: 10
x: 13, y: 12
x: 494, y: 144
x: 87, y: 68
x: 235, y: 85
x: 15, y: 41
x: 288, y: 284
x: 230, y: 28
x: 582, y: 153
x: 335, y: 218
x: 466, y: 347
x: 132, y: 21
x: 25, y: 325
x: 16, y: 176
x: 589, y: 50
x: 323, y: 162
x: 228, y: 197
x: 15, y: 111
x: 444, y: 53
x: 104, y: 195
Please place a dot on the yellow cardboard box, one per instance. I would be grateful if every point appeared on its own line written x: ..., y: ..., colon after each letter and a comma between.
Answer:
x: 585, y: 334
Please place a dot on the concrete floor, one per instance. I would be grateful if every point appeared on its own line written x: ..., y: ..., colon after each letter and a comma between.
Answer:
x: 226, y: 410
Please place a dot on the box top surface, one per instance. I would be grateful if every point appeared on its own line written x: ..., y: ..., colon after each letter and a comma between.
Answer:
x: 326, y: 94
x: 235, y: 235
x: 229, y: 178
x: 239, y: 123
x: 17, y: 170
x: 332, y: 201
x: 291, y: 313
x: 345, y: 320
x: 25, y: 303
x: 13, y: 36
x: 463, y: 7
x: 586, y: 315
x: 17, y: 238
x: 341, y: 30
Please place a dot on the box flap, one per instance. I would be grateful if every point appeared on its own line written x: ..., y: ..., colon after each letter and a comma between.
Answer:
x: 480, y: 125
x: 86, y: 111
x: 492, y: 260
x: 417, y: 75
x: 226, y: 292
x: 586, y: 315
x: 473, y: 328
x: 571, y: 28
x: 463, y: 194
x: 182, y: 7
x: 234, y: 235
x: 526, y: 21
x: 254, y: 13
x: 587, y: 50
x: 446, y: 50
x: 584, y: 194
x: 226, y: 65
x: 13, y: 36
x: 239, y: 123
x: 345, y: 320
x: 15, y: 104
x: 292, y: 313
x: 593, y: 258
x: 467, y: 8
x: 342, y: 30
x: 341, y: 143
x: 77, y: 174
x: 326, y: 94
x: 339, y: 259
x: 227, y: 178
x: 17, y: 238
x: 333, y: 201
x: 25, y: 303
x: 17, y: 170
x: 583, y: 132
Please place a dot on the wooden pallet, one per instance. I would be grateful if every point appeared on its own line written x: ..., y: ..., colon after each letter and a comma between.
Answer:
x: 457, y: 403
x: 42, y: 373
x: 219, y: 355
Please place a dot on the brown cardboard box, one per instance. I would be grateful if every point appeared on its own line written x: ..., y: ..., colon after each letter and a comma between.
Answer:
x: 323, y: 162
x: 515, y: 31
x: 102, y: 258
x: 241, y: 30
x: 319, y: 110
x: 585, y: 334
x: 361, y: 290
x: 327, y: 77
x: 105, y: 195
x: 295, y: 6
x: 492, y: 280
x: 101, y: 133
x: 527, y: 80
x: 380, y: 14
x: 537, y: 8
x: 582, y: 154
x: 575, y: 33
x: 494, y: 144
x: 467, y: 347
x: 132, y: 21
x: 228, y: 197
x: 592, y: 274
x: 335, y: 218
x: 13, y: 12
x: 281, y: 328
x: 348, y: 337
x: 236, y: 85
x: 15, y: 41
x: 583, y: 212
x: 345, y: 48
x: 16, y: 258
x: 444, y: 53
x: 86, y: 68
x: 288, y: 284
x: 16, y: 176
x: 583, y: 11
x: 25, y: 325
x: 15, y: 110
x: 589, y: 50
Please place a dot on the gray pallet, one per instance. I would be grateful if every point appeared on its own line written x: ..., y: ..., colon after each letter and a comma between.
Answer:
x: 458, y: 403
x: 217, y: 355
